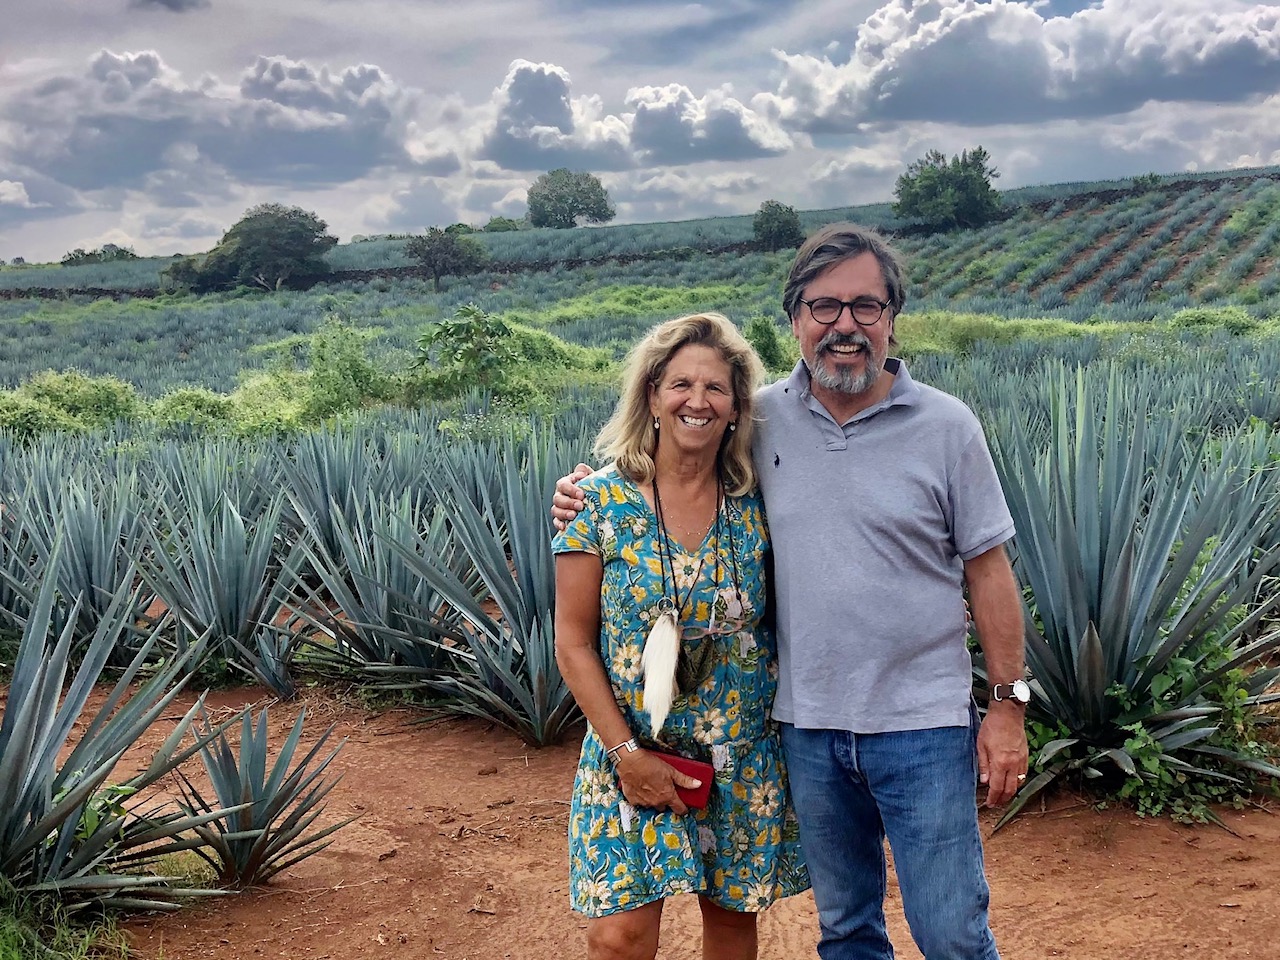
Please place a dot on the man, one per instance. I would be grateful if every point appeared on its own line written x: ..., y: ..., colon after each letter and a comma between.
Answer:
x: 882, y: 503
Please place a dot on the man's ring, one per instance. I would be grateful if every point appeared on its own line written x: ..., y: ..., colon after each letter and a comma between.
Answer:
x: 1021, y: 777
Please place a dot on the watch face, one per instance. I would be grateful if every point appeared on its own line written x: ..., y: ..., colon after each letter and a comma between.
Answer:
x: 1021, y: 691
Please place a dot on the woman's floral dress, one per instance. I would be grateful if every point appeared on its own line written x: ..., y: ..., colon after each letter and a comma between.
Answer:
x: 742, y: 849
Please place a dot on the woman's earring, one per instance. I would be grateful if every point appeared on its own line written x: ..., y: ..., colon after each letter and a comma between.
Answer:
x: 733, y: 425
x: 656, y: 423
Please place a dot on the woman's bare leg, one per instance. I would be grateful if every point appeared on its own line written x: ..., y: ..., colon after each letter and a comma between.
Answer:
x: 630, y: 935
x: 727, y: 934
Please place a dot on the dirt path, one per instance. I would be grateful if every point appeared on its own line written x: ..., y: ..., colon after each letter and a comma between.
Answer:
x: 460, y: 853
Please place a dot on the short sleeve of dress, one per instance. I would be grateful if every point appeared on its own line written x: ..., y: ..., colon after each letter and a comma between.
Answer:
x: 582, y: 535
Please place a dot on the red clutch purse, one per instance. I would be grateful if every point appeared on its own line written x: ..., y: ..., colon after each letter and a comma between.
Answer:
x: 696, y: 797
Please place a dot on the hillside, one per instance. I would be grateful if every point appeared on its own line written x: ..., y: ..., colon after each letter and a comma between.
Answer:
x: 1077, y: 252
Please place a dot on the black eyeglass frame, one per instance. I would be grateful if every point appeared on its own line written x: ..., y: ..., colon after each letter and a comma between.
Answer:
x: 850, y: 304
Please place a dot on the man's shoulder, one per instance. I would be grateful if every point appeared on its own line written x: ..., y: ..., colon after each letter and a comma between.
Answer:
x: 941, y: 406
x: 773, y: 395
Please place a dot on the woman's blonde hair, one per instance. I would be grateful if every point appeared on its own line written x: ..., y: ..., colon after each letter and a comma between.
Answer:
x: 629, y: 439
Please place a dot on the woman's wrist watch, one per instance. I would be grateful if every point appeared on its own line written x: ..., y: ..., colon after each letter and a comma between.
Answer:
x: 615, y: 753
x: 1019, y: 692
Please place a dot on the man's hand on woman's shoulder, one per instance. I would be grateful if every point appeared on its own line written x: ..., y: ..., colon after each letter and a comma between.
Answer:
x: 567, y: 503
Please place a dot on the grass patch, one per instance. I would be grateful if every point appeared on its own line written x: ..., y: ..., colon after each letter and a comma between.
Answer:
x: 941, y: 331
x: 34, y: 929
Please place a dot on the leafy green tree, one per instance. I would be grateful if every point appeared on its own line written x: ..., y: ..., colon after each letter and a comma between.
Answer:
x: 501, y: 225
x: 271, y: 246
x: 460, y: 228
x: 954, y: 193
x: 777, y: 226
x: 561, y: 197
x: 445, y: 254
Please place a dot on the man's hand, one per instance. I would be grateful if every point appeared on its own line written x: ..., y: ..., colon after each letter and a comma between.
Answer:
x: 566, y: 503
x: 1002, y: 751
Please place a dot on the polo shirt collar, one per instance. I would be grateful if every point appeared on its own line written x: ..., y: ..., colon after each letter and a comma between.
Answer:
x: 905, y: 392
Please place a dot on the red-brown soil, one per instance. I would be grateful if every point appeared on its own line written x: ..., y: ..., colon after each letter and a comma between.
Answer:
x: 460, y: 853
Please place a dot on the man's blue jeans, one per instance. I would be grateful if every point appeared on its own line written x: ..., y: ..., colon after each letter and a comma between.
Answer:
x: 917, y: 787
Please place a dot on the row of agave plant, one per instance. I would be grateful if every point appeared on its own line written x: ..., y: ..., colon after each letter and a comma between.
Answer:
x: 1148, y: 548
x: 380, y: 554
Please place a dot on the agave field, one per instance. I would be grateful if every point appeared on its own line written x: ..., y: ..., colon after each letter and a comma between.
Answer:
x: 1085, y: 253
x: 408, y: 550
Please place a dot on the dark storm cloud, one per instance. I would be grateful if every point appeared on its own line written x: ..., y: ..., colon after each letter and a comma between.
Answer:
x: 418, y: 208
x: 953, y: 61
x: 539, y: 126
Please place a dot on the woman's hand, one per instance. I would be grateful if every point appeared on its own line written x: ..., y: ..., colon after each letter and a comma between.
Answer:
x: 648, y: 781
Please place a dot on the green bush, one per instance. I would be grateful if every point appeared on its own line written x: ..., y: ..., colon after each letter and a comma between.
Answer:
x: 27, y: 419
x: 194, y: 406
x: 1234, y: 319
x: 762, y: 333
x: 343, y: 378
x: 91, y: 401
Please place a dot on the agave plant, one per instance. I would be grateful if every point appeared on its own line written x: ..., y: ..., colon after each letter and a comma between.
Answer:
x: 222, y: 577
x: 1143, y: 553
x: 265, y: 832
x: 505, y: 665
x: 99, y: 524
x: 63, y: 828
x: 379, y: 614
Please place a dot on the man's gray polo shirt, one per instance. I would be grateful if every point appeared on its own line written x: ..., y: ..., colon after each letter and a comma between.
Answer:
x: 870, y: 522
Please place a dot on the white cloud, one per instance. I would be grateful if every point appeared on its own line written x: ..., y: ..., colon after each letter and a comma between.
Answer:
x: 14, y: 193
x: 538, y: 124
x: 960, y: 61
x: 671, y: 125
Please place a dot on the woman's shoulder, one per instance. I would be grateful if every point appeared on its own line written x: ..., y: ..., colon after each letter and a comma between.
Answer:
x: 607, y: 485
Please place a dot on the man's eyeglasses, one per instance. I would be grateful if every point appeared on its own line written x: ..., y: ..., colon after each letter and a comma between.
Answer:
x: 866, y: 311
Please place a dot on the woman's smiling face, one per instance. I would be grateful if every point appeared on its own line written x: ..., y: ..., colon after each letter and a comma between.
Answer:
x: 693, y: 400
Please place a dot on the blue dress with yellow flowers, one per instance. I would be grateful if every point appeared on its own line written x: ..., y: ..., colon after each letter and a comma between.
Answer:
x: 742, y: 849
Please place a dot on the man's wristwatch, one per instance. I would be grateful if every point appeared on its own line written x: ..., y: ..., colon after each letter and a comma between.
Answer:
x: 1019, y: 691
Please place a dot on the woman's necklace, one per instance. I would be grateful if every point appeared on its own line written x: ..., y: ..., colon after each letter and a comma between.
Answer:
x: 662, y: 648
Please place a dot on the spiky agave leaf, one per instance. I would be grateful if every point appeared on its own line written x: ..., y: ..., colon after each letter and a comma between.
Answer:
x: 506, y: 668
x: 46, y: 841
x: 223, y: 576
x: 377, y: 607
x: 268, y: 832
x: 1137, y: 545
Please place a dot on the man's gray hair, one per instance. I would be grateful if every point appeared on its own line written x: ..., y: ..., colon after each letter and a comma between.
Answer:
x: 834, y: 243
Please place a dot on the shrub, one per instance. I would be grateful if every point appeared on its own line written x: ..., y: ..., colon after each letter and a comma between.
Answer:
x: 193, y: 406
x: 27, y: 419
x: 1234, y: 319
x: 762, y: 333
x: 91, y: 401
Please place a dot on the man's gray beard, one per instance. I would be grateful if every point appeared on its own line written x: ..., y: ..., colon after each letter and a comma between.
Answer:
x: 842, y: 379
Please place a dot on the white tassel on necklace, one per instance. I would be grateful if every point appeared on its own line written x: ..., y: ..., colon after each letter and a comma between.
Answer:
x: 658, y: 662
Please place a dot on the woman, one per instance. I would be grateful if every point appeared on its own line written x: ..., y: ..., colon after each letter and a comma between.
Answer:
x: 659, y: 594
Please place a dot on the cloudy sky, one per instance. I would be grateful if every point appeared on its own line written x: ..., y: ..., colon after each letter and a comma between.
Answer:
x: 156, y: 123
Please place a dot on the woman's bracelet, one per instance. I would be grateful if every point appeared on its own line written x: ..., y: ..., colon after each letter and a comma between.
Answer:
x: 615, y: 753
